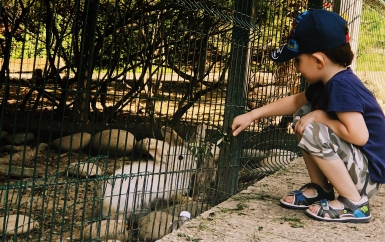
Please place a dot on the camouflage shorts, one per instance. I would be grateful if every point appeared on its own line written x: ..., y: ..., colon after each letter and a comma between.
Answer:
x: 322, y: 142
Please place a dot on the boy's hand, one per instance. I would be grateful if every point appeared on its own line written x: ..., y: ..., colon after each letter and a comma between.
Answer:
x: 305, y: 120
x: 241, y: 122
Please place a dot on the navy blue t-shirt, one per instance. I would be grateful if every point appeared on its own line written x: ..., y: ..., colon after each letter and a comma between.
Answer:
x: 345, y: 92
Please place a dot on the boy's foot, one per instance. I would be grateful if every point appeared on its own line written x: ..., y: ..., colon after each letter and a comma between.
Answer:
x: 306, y: 195
x: 341, y: 210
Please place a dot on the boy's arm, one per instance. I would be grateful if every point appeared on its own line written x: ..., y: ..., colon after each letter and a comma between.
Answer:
x: 350, y: 126
x: 284, y: 106
x: 353, y: 128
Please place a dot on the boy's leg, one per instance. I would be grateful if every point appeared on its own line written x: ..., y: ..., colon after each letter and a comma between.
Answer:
x: 338, y: 175
x: 349, y: 157
x: 315, y: 174
x: 342, y: 163
x: 323, y: 144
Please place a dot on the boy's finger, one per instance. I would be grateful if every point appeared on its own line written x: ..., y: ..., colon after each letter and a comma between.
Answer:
x: 234, y: 126
x: 236, y: 131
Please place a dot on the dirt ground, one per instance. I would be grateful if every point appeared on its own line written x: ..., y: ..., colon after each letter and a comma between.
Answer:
x: 255, y: 215
x: 58, y: 201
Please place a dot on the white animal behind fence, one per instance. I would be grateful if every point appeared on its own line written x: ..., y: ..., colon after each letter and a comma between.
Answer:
x: 137, y: 187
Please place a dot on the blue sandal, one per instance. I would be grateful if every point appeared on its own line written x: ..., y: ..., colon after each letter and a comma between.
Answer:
x: 350, y: 213
x: 302, y: 202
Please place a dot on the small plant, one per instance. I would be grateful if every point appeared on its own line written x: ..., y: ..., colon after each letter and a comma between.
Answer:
x: 203, y: 146
x: 200, y: 150
x: 226, y: 138
x: 193, y: 239
x: 224, y: 210
x: 293, y: 221
x: 354, y: 228
x: 202, y: 226
x: 241, y: 206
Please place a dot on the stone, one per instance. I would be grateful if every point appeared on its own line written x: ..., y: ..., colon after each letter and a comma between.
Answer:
x: 19, y: 138
x: 106, y: 230
x: 16, y: 171
x: 113, y: 142
x: 24, y: 224
x: 155, y: 225
x: 73, y: 142
x: 3, y: 134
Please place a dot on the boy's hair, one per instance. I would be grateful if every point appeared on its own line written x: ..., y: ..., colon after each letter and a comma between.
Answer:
x: 342, y: 55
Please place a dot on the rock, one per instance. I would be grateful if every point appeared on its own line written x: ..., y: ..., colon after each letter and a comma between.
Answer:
x: 72, y: 142
x: 106, y: 230
x: 17, y: 171
x: 84, y: 169
x: 155, y: 225
x: 19, y: 138
x: 113, y: 142
x: 148, y: 146
x: 3, y: 134
x: 24, y: 224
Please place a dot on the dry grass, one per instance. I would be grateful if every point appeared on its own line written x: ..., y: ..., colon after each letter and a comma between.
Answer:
x: 375, y: 81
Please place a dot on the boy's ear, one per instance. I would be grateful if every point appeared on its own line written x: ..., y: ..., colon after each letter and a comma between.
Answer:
x: 319, y: 59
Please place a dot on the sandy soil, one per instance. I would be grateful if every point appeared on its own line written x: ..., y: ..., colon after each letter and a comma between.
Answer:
x: 255, y: 215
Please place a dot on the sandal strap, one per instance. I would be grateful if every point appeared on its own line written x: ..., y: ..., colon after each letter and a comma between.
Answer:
x: 326, y: 209
x: 301, y: 199
x: 360, y: 210
x: 347, y: 203
x: 311, y: 185
x: 321, y: 193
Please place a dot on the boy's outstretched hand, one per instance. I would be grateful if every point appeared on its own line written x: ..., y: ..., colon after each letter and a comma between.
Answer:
x: 241, y: 122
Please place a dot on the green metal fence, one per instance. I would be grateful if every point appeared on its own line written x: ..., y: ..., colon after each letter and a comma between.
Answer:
x: 116, y: 115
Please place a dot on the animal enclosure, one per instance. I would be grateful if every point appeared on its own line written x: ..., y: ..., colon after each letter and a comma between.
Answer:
x: 116, y: 115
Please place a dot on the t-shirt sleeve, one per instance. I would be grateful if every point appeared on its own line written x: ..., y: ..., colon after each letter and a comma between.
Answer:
x: 343, y: 98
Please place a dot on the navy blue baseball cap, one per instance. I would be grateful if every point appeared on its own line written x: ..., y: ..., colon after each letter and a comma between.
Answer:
x: 313, y: 30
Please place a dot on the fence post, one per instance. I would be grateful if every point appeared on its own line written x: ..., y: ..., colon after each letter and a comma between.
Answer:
x: 351, y: 11
x: 228, y: 165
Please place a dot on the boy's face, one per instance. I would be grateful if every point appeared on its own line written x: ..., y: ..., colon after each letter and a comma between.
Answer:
x: 306, y: 64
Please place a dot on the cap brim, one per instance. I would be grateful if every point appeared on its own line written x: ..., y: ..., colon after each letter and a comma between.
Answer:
x: 283, y: 54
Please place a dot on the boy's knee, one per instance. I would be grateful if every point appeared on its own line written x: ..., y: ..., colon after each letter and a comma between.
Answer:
x: 316, y: 141
x: 316, y: 132
x: 305, y: 109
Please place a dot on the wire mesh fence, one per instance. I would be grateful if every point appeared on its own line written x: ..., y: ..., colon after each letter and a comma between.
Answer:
x: 116, y: 115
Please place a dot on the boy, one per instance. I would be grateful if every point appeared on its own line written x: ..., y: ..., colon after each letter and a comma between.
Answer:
x: 339, y: 125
